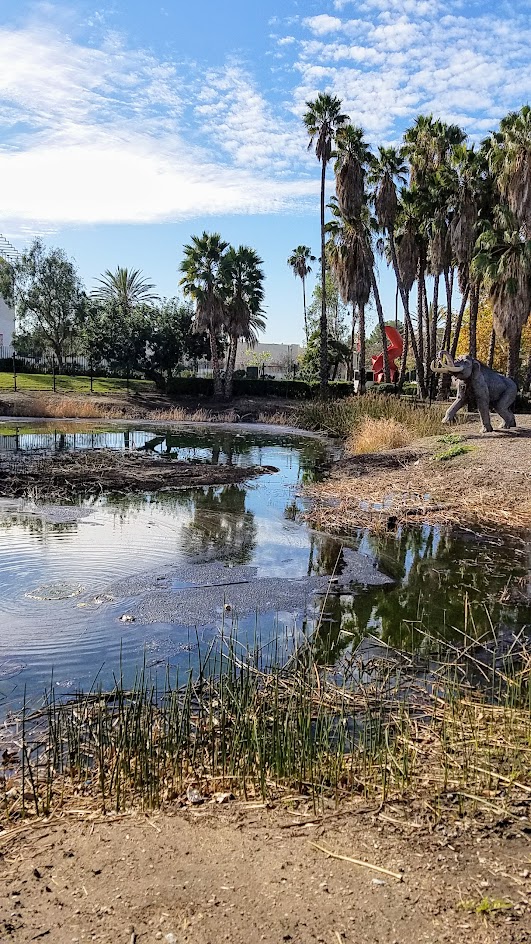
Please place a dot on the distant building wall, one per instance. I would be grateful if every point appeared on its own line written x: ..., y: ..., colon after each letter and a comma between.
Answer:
x: 278, y: 359
x: 7, y: 317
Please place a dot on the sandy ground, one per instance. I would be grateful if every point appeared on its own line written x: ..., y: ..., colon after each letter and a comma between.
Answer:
x: 242, y: 873
x: 489, y: 485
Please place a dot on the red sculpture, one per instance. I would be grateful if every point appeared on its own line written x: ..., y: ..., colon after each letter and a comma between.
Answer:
x: 395, y: 349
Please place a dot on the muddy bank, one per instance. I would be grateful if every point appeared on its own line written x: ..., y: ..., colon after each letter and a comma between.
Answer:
x: 464, y: 478
x: 63, y: 476
x: 241, y: 872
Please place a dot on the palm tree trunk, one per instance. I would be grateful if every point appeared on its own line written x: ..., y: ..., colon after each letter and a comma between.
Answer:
x: 513, y: 360
x: 447, y: 379
x: 229, y: 372
x: 474, y: 306
x: 420, y: 314
x: 459, y: 321
x: 433, y: 339
x: 350, y: 375
x: 405, y: 351
x: 323, y: 349
x: 362, y: 388
x: 381, y: 321
x: 216, y: 367
x: 448, y: 322
x: 405, y: 304
x: 492, y: 348
x: 304, y: 306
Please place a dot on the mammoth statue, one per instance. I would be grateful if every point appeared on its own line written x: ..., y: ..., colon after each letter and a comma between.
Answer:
x: 487, y: 386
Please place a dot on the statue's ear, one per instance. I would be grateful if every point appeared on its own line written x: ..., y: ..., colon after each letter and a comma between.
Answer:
x: 476, y: 368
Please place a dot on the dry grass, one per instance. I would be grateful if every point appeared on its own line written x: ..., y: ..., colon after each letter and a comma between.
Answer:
x: 343, y: 417
x: 275, y: 419
x: 414, y: 490
x: 378, y: 436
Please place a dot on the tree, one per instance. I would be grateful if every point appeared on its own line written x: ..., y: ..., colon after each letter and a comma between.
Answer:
x: 503, y: 260
x: 336, y: 309
x: 125, y: 287
x: 299, y: 261
x: 337, y: 354
x: 172, y: 339
x: 509, y: 154
x: 202, y: 281
x: 243, y: 278
x: 486, y: 344
x: 322, y: 120
x: 387, y: 170
x: 116, y: 336
x: 49, y: 297
x: 353, y: 158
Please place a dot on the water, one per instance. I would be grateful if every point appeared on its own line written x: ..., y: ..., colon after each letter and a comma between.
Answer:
x: 70, y: 578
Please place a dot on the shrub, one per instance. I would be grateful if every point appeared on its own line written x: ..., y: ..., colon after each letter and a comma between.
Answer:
x: 257, y: 387
x: 378, y: 436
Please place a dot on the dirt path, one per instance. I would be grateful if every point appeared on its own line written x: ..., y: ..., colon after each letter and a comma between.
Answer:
x: 489, y: 483
x: 241, y: 874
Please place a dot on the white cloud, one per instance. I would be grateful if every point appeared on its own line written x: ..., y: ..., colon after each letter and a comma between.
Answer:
x: 323, y: 24
x: 99, y: 135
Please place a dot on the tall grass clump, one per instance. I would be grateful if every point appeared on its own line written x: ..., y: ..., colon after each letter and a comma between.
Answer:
x: 453, y: 730
x: 342, y: 418
x: 377, y: 436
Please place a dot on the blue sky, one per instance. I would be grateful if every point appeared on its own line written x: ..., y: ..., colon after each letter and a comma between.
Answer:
x: 127, y: 127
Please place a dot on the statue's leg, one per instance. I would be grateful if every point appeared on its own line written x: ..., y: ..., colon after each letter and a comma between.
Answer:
x: 503, y: 409
x: 483, y: 407
x: 459, y: 402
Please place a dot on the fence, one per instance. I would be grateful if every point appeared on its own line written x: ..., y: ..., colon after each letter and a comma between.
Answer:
x: 74, y: 372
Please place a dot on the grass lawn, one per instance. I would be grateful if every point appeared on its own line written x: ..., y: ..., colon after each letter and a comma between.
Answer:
x: 67, y: 384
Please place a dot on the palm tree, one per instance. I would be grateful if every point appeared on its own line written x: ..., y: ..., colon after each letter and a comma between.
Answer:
x: 348, y: 262
x: 203, y: 281
x: 127, y: 287
x: 509, y: 154
x: 299, y: 261
x: 353, y: 158
x: 243, y: 279
x: 322, y: 120
x: 503, y: 259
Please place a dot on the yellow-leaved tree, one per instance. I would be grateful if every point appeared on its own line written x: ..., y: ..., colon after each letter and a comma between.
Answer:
x: 484, y: 331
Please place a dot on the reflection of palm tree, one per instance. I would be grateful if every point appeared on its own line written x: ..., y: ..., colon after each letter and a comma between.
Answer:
x: 221, y: 523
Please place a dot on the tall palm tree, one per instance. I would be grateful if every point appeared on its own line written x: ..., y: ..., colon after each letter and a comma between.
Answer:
x: 509, y: 154
x: 352, y: 161
x: 127, y: 287
x: 322, y: 120
x: 349, y: 264
x: 203, y: 282
x: 503, y: 259
x: 299, y: 261
x: 243, y: 278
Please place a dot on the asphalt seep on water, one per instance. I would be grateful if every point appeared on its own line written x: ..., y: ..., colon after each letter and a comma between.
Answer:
x: 97, y: 589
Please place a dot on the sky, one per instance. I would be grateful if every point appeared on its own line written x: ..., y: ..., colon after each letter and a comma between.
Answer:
x: 127, y: 127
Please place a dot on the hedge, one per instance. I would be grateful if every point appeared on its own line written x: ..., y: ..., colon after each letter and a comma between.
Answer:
x: 263, y: 388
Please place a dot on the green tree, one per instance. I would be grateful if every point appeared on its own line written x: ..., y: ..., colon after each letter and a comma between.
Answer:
x: 337, y: 353
x: 124, y: 287
x: 299, y: 261
x: 503, y: 260
x: 353, y: 158
x: 49, y: 298
x: 509, y: 154
x: 243, y: 277
x: 172, y: 338
x: 202, y: 281
x: 322, y: 121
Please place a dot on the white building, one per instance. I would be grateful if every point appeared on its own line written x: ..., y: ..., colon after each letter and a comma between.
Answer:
x: 276, y: 360
x: 7, y: 323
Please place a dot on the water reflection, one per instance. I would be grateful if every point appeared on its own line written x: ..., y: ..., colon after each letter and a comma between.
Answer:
x: 444, y: 581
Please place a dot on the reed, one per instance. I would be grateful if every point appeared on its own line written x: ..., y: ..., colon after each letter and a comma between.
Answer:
x: 342, y: 418
x: 245, y: 723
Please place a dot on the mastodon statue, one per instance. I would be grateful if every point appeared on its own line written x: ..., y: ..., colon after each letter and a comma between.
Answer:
x: 490, y: 389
